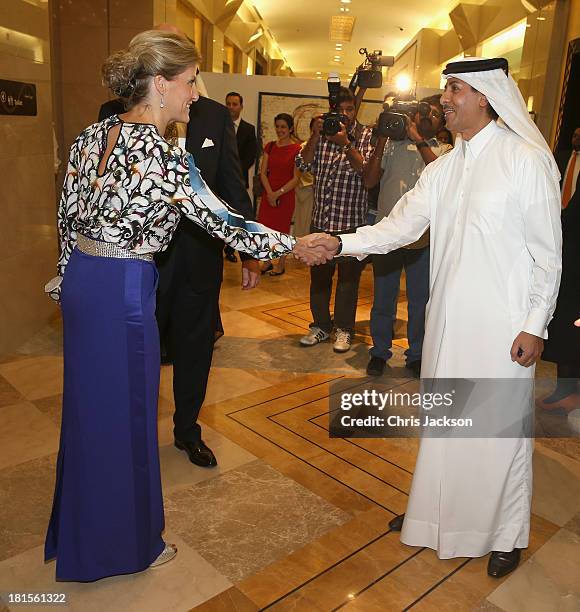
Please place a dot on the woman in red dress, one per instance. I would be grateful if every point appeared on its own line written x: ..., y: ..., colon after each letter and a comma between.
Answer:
x: 279, y: 177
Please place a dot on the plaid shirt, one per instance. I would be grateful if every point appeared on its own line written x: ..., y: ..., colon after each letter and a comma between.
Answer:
x: 340, y: 198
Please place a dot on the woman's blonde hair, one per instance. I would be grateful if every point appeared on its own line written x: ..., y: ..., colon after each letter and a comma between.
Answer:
x: 128, y: 73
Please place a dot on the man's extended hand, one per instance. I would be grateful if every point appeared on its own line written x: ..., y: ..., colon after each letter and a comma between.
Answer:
x: 250, y: 273
x: 526, y: 349
x: 330, y: 243
x: 316, y: 249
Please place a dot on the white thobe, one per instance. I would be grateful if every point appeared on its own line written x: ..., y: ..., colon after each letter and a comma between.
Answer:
x: 494, y: 210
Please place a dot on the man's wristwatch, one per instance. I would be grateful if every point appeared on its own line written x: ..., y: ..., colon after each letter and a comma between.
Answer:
x: 421, y: 144
x: 339, y: 249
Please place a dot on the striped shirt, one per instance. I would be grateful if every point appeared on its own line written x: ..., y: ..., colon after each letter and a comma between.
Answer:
x: 340, y: 198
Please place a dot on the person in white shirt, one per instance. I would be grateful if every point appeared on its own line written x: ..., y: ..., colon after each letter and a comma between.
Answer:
x: 493, y: 206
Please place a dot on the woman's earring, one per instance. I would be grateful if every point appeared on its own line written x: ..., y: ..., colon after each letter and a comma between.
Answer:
x: 161, y: 105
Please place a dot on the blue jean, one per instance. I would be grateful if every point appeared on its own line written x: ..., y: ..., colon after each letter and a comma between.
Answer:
x: 387, y: 277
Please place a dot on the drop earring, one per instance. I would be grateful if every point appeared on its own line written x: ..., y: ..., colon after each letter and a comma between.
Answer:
x: 161, y: 105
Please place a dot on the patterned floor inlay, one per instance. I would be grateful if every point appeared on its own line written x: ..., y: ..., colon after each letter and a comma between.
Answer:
x: 291, y: 520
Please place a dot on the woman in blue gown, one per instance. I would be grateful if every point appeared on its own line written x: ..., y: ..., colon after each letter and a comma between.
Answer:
x: 125, y: 190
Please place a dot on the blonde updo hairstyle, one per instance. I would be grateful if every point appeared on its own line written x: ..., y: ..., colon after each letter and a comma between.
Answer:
x: 128, y: 73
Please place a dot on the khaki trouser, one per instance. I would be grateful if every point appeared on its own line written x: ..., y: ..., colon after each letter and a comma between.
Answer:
x: 303, y: 210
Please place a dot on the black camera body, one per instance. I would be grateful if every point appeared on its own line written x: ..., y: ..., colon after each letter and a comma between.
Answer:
x: 332, y: 123
x: 392, y: 121
x: 333, y: 120
x: 369, y: 75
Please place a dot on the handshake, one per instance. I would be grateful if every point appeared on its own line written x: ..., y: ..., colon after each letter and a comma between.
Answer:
x: 316, y: 249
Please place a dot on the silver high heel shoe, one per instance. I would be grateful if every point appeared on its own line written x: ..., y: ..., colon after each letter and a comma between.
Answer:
x: 167, y: 555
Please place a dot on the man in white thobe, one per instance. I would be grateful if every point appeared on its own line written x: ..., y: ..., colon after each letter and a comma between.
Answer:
x: 493, y: 205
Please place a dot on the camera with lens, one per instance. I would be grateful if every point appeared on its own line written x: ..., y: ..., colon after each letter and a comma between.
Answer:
x: 392, y: 121
x: 369, y: 75
x: 332, y: 121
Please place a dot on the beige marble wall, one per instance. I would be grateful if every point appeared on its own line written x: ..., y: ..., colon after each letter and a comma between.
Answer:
x: 86, y: 32
x: 27, y: 217
x: 543, y: 54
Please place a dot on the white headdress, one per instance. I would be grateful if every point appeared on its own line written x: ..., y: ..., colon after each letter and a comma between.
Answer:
x: 491, y: 78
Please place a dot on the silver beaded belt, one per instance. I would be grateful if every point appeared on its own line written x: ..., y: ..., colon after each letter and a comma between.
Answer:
x: 98, y: 248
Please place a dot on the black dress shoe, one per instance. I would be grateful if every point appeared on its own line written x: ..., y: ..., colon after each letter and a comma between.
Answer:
x: 376, y: 366
x: 231, y: 256
x: 502, y: 563
x: 415, y: 367
x: 396, y: 524
x: 197, y: 452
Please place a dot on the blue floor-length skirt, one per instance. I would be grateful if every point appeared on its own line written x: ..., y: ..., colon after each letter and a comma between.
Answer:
x: 107, y: 514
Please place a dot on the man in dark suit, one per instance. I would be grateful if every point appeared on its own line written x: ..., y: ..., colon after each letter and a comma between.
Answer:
x: 247, y: 145
x: 568, y: 160
x: 245, y: 133
x: 191, y: 270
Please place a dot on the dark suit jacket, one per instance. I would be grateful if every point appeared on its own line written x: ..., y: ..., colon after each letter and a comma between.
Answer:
x: 247, y: 147
x: 112, y: 107
x: 193, y: 248
x: 562, y: 157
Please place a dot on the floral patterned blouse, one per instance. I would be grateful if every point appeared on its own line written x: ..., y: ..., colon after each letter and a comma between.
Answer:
x: 137, y: 202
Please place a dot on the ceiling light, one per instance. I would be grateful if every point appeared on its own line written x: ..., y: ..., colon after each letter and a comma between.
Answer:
x: 403, y: 82
x: 528, y: 6
x: 346, y: 1
x: 318, y: 72
x: 530, y: 104
x: 257, y: 35
x: 541, y: 18
x: 341, y: 27
x: 318, y: 77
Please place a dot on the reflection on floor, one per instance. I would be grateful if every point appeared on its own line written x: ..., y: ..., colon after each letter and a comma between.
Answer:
x: 290, y: 520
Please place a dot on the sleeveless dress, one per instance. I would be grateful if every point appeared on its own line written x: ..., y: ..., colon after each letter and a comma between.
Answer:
x: 280, y: 171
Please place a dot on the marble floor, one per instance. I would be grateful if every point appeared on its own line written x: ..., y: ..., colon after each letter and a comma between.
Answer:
x: 290, y: 519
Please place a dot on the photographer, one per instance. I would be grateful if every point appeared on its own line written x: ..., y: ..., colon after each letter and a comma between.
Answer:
x: 337, y: 163
x: 398, y: 164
